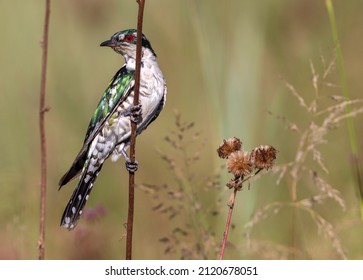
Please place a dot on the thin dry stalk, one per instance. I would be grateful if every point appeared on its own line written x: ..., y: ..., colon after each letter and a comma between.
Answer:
x: 43, y: 151
x: 244, y: 166
x: 228, y: 223
x: 130, y: 218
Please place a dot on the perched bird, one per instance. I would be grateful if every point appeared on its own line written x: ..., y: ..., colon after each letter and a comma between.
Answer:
x: 109, y: 130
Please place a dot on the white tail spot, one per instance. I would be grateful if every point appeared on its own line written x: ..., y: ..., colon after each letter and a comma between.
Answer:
x: 86, y: 179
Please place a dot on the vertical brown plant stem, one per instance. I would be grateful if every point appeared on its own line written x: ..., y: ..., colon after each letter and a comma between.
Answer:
x: 130, y: 218
x: 43, y: 154
x: 228, y: 223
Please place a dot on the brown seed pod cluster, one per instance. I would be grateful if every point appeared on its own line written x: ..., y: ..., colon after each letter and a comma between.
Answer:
x: 241, y: 163
x: 263, y: 157
x: 229, y: 146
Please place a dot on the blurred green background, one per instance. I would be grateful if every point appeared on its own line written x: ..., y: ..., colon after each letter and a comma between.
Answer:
x: 225, y: 62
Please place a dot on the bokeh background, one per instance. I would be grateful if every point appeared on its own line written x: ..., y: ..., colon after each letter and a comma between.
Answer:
x: 226, y: 64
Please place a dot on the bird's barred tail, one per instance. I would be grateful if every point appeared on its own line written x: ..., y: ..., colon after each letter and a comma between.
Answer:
x: 81, y: 194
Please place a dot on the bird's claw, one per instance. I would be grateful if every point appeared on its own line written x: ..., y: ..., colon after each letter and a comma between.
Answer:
x: 132, y: 166
x: 134, y: 112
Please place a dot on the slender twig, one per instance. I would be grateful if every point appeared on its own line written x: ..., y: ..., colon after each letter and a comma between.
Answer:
x: 236, y: 184
x: 241, y: 164
x: 43, y: 154
x: 130, y: 218
x: 228, y: 222
x: 251, y: 176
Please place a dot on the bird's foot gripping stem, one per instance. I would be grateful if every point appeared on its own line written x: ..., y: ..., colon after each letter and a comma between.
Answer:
x: 134, y: 112
x: 131, y: 166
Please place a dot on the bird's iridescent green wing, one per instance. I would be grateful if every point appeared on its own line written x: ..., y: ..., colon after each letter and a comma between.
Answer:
x: 119, y: 88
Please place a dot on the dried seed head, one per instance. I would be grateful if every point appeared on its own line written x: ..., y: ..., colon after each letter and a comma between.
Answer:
x: 229, y: 146
x: 238, y: 163
x: 263, y: 157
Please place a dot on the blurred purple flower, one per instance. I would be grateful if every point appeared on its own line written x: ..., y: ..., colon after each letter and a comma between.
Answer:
x: 94, y: 213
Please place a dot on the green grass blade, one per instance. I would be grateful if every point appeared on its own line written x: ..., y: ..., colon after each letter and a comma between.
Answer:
x: 345, y: 91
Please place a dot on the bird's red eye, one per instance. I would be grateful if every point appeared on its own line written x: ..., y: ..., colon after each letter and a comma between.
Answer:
x: 129, y: 38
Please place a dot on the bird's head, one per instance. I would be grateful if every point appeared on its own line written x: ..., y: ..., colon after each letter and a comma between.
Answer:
x: 124, y: 43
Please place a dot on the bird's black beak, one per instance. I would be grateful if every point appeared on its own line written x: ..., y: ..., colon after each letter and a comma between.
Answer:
x: 107, y: 43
